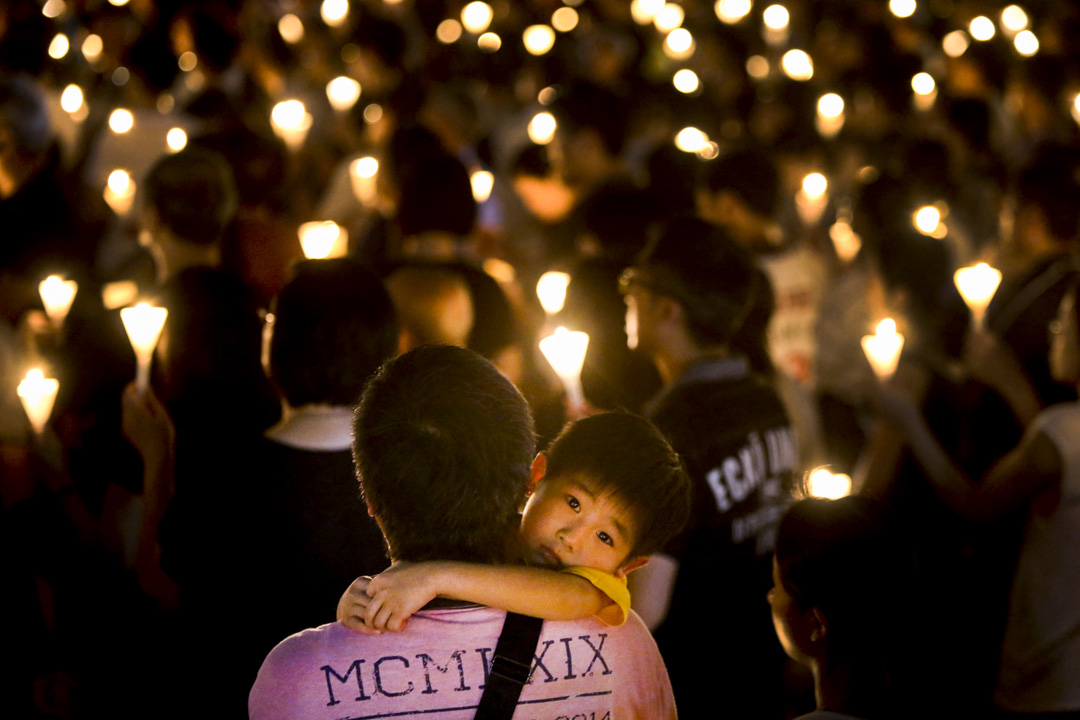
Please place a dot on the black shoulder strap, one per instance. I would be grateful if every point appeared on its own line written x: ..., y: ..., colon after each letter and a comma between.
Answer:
x: 510, y: 667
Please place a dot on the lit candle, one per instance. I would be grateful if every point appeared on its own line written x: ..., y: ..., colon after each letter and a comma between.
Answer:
x: 38, y: 393
x: 551, y: 289
x: 482, y: 182
x: 362, y: 173
x: 317, y: 239
x: 830, y: 114
x: 925, y: 88
x: 143, y: 324
x: 56, y: 296
x: 342, y: 92
x: 542, y: 128
x: 977, y: 285
x: 291, y: 122
x: 565, y: 351
x: 812, y: 198
x: 883, y: 349
x: 777, y: 21
x: 825, y: 484
x: 120, y: 191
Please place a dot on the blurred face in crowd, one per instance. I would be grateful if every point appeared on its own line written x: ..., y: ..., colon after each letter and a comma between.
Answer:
x: 638, y: 302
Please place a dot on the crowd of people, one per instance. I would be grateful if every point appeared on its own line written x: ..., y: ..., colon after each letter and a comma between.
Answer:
x: 737, y: 194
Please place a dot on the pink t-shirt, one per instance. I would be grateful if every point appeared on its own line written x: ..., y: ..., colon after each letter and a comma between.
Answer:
x: 436, y: 669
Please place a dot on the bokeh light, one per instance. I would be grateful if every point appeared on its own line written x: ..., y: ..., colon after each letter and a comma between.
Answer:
x: 449, y: 31
x: 564, y: 19
x: 955, y: 43
x: 1013, y: 18
x: 121, y: 121
x: 732, y: 11
x: 797, y: 65
x: 982, y: 28
x: 342, y: 92
x: 476, y: 16
x: 776, y: 17
x: 1026, y: 43
x: 489, y: 42
x: 59, y: 46
x: 176, y: 139
x: 686, y: 81
x: 542, y: 128
x: 334, y: 12
x: 538, y: 39
x: 902, y: 8
x: 291, y: 28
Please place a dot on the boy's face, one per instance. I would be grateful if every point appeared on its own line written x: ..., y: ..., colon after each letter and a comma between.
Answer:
x: 566, y: 523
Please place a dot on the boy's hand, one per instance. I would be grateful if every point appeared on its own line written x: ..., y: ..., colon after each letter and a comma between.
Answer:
x: 353, y: 605
x: 398, y: 592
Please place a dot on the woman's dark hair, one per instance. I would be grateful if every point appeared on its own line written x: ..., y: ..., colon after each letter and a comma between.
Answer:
x: 334, y: 326
x: 844, y: 558
x: 436, y: 195
x: 214, y: 339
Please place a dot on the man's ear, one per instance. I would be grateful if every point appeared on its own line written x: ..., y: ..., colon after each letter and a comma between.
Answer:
x: 538, y: 470
x: 631, y: 565
x: 819, y: 629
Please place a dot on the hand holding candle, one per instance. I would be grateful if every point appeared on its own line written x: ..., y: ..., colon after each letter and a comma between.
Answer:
x: 143, y: 324
x: 38, y: 393
x: 57, y: 296
x: 977, y: 285
x: 883, y: 349
x: 565, y: 351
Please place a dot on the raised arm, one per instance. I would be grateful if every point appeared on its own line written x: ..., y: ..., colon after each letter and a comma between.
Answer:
x: 404, y: 588
x: 1032, y: 464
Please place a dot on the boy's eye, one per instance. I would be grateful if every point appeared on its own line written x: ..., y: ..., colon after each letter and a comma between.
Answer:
x: 573, y: 502
x: 605, y: 538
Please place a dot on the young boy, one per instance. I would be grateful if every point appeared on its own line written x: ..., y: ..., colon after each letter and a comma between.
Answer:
x: 609, y: 492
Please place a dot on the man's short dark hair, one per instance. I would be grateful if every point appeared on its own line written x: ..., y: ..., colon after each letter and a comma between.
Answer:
x: 751, y: 175
x: 443, y: 444
x: 436, y: 196
x: 193, y: 194
x: 334, y: 326
x: 626, y: 456
x: 712, y: 276
x: 581, y: 106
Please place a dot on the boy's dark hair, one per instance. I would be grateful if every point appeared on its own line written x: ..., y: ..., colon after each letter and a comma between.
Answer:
x: 626, y: 456
x: 334, y: 326
x: 443, y: 444
x: 193, y: 194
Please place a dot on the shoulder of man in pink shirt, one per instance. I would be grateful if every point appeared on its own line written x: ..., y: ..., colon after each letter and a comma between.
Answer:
x: 439, y: 665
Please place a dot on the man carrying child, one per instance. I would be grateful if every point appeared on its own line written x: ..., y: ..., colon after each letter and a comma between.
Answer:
x: 444, y: 449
